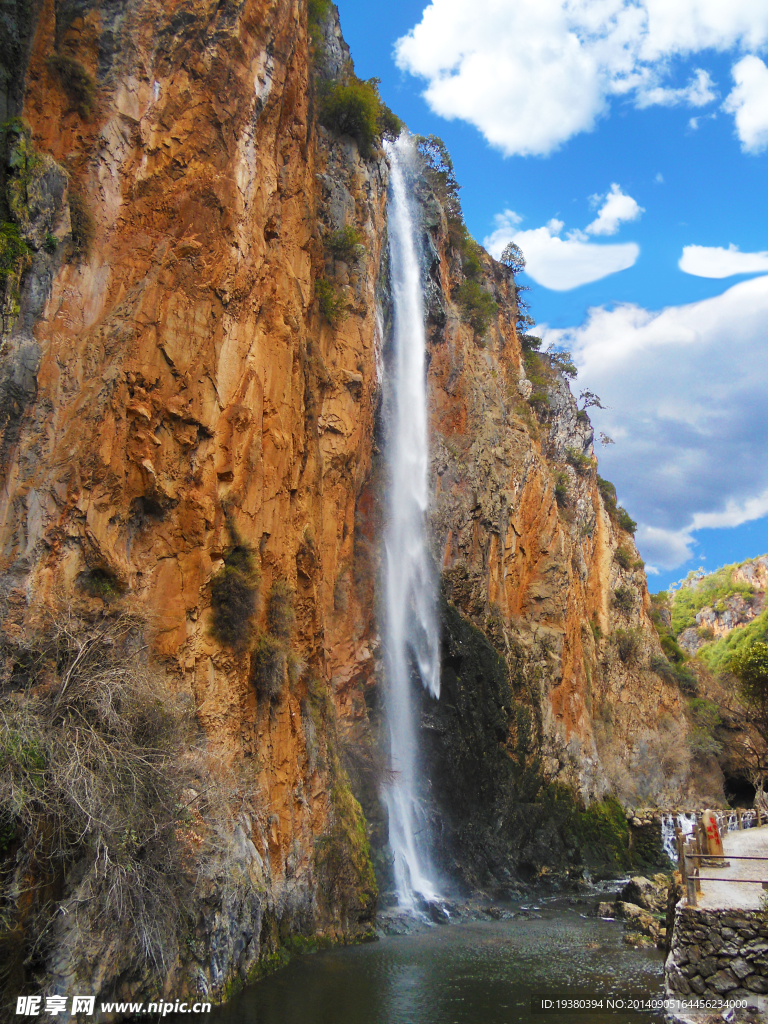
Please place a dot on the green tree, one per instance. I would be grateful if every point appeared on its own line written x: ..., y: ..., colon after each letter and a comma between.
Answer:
x: 751, y: 669
x: 513, y: 258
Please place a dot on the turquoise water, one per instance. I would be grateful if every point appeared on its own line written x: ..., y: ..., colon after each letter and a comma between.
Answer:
x: 473, y: 973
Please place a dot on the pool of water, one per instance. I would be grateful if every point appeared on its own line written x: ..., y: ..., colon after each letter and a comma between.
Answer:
x: 472, y: 973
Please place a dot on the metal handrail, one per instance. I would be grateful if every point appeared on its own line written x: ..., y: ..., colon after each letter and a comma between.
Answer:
x: 692, y: 859
x: 736, y: 881
x: 717, y: 856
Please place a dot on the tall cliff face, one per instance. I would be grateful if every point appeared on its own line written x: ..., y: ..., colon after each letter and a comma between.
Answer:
x: 186, y: 410
x: 177, y: 394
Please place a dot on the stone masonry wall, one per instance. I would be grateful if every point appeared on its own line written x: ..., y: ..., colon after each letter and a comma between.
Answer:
x: 718, y: 953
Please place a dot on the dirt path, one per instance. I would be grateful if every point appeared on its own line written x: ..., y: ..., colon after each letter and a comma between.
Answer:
x: 752, y: 842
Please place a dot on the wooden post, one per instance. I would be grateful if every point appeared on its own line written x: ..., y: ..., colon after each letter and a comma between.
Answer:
x: 741, y: 822
x: 680, y: 854
x: 701, y: 847
x: 690, y: 883
x: 759, y: 815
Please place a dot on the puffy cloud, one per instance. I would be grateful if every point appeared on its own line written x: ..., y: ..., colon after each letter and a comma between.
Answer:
x: 712, y: 261
x: 617, y: 207
x: 698, y: 93
x: 565, y: 263
x: 686, y: 389
x: 748, y: 102
x: 530, y: 74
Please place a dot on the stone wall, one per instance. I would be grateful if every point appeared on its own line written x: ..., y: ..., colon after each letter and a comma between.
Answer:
x: 718, y: 953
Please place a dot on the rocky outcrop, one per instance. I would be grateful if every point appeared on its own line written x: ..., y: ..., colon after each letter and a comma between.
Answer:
x: 717, y: 621
x: 190, y: 376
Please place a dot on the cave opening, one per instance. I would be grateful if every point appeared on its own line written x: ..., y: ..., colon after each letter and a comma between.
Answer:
x: 739, y: 791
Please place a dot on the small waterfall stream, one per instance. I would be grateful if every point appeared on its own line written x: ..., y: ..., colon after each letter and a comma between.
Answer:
x: 411, y: 640
x: 727, y: 821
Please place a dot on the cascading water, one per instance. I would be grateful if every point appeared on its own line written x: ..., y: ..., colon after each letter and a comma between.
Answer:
x: 411, y: 640
x: 727, y: 821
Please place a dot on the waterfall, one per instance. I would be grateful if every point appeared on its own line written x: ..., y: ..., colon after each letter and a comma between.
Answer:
x: 411, y: 641
x: 669, y: 822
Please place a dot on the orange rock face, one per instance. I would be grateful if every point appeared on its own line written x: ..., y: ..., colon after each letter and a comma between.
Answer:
x: 189, y: 394
x: 183, y: 394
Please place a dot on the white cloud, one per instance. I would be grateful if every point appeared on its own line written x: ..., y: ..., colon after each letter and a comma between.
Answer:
x: 712, y: 261
x: 530, y: 74
x: 748, y: 102
x: 686, y: 389
x: 659, y: 179
x: 565, y: 263
x: 698, y: 93
x: 617, y: 207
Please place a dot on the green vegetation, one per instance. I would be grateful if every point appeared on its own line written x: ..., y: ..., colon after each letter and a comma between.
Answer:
x: 234, y: 596
x: 697, y: 592
x: 624, y: 599
x: 580, y: 462
x: 605, y: 832
x: 332, y: 305
x: 561, y: 490
x: 750, y: 666
x: 563, y: 363
x: 317, y: 12
x: 619, y: 515
x: 344, y: 244
x: 269, y: 664
x: 281, y: 613
x: 513, y: 258
x: 440, y: 175
x: 672, y: 665
x: 272, y: 661
x: 354, y: 107
x: 718, y: 655
x: 15, y: 254
x: 624, y: 558
x: 628, y: 643
x: 76, y: 82
x: 705, y: 718
x: 83, y: 226
x: 540, y: 376
x: 100, y: 583
x: 471, y: 252
x: 675, y: 672
x: 478, y: 307
x: 50, y: 244
x: 343, y: 855
x: 24, y: 165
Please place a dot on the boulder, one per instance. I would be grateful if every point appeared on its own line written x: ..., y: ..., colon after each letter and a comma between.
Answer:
x: 646, y: 893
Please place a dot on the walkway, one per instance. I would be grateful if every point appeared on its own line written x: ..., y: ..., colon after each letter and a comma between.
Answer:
x: 752, y: 842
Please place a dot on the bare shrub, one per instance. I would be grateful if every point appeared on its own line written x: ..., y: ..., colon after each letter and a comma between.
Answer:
x: 660, y: 764
x: 234, y: 594
x: 91, y: 774
x: 628, y: 643
x: 366, y: 765
x: 281, y: 612
x: 83, y: 226
x: 624, y: 599
x: 76, y: 81
x: 269, y: 664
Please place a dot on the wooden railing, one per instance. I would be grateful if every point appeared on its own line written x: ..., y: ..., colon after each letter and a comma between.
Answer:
x: 692, y: 851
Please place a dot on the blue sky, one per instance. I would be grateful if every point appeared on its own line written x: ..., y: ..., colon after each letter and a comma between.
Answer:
x: 654, y: 112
